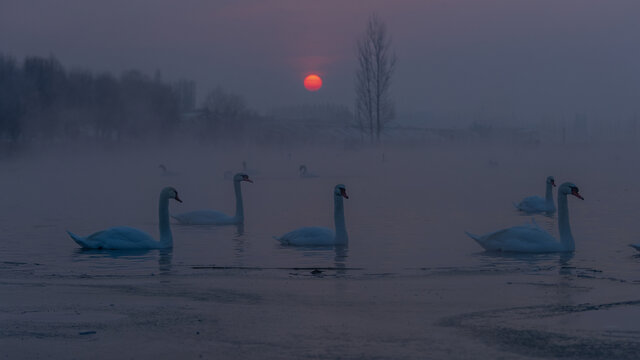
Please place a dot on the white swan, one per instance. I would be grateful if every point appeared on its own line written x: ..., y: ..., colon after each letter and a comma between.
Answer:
x: 321, y: 236
x: 531, y: 238
x: 304, y: 173
x: 536, y: 204
x: 212, y: 217
x: 127, y: 238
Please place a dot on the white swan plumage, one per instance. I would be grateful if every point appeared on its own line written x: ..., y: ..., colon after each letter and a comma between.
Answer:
x: 213, y: 217
x: 536, y: 204
x: 128, y: 238
x: 304, y: 173
x: 531, y: 238
x: 321, y: 236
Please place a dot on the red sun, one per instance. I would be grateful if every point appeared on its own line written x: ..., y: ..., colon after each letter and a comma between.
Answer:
x: 313, y: 82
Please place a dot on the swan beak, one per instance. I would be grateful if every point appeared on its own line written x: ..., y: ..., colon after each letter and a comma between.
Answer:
x: 248, y: 180
x: 576, y: 194
x: 343, y: 192
x: 553, y: 183
x: 177, y: 198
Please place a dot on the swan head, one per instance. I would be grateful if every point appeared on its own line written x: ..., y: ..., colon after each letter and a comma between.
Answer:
x: 302, y: 168
x: 340, y: 191
x: 171, y: 193
x: 551, y: 180
x: 241, y: 177
x: 570, y: 189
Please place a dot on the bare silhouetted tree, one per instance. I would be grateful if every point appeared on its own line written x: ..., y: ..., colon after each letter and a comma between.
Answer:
x: 376, y: 63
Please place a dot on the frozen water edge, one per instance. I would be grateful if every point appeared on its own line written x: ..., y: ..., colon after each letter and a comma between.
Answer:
x: 282, y: 313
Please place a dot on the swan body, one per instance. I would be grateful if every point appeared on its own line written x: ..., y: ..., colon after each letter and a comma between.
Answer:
x: 304, y: 173
x: 531, y: 238
x: 213, y: 217
x: 128, y: 238
x: 635, y: 246
x: 321, y: 236
x: 536, y: 204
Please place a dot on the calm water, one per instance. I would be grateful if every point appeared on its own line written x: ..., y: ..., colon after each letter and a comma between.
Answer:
x: 410, y: 285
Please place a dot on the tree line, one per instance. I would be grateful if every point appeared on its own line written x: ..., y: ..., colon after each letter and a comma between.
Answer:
x: 41, y: 101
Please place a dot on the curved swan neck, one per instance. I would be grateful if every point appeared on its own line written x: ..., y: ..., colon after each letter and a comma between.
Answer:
x: 239, y: 208
x: 166, y: 238
x: 566, y: 238
x: 548, y: 195
x: 338, y: 216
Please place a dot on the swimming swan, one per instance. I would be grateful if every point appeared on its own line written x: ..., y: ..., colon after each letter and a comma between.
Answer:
x: 536, y: 204
x: 127, y: 238
x: 213, y: 217
x: 304, y: 173
x: 321, y: 236
x: 531, y: 238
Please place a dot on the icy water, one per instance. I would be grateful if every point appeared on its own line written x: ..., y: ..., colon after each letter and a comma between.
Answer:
x: 410, y: 285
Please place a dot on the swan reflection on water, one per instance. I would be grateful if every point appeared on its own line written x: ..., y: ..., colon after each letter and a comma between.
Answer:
x: 125, y: 259
x: 563, y: 262
x: 335, y: 257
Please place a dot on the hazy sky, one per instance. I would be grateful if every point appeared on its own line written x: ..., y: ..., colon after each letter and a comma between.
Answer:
x: 528, y: 57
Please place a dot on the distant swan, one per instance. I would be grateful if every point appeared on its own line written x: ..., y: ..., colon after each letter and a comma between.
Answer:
x: 536, y: 204
x: 635, y: 246
x: 127, y: 238
x: 304, y: 173
x: 212, y: 217
x: 321, y: 236
x: 165, y: 171
x: 531, y: 238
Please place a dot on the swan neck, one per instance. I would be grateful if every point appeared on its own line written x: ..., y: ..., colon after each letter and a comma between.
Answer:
x: 338, y: 216
x: 548, y: 196
x: 239, y: 208
x: 566, y: 238
x: 166, y: 238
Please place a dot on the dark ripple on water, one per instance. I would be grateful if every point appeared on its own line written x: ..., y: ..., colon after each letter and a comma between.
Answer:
x: 520, y: 330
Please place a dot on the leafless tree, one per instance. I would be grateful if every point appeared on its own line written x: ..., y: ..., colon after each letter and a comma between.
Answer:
x: 376, y: 63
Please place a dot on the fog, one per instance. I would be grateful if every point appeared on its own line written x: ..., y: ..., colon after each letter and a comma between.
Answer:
x: 527, y: 60
x: 103, y: 104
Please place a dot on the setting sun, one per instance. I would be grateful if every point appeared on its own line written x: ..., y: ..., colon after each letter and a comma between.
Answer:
x: 313, y: 82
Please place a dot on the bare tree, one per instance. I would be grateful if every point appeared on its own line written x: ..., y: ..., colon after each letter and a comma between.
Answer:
x: 376, y: 63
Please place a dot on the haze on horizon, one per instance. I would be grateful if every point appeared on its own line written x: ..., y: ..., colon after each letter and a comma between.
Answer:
x: 455, y: 58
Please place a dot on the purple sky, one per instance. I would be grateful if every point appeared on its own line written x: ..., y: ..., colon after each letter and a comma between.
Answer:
x: 529, y: 57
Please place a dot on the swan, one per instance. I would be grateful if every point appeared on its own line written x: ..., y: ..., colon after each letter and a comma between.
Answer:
x: 304, y: 173
x: 635, y: 246
x: 536, y: 204
x: 127, y: 238
x: 212, y: 217
x: 321, y: 236
x: 166, y: 172
x: 532, y: 239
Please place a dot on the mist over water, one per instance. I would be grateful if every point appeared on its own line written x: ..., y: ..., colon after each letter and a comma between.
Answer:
x: 407, y: 211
